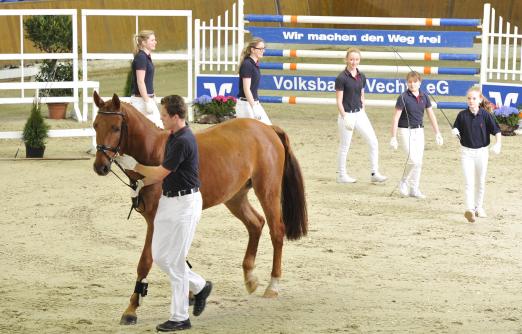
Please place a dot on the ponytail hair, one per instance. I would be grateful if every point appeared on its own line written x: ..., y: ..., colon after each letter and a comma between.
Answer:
x: 247, y: 51
x: 138, y: 39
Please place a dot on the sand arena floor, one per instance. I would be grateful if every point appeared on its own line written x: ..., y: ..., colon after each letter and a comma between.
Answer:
x: 372, y: 261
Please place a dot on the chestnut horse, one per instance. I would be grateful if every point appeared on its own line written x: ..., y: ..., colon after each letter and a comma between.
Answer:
x: 234, y: 157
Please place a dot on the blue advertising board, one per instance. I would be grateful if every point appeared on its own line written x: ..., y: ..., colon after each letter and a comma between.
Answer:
x: 213, y: 85
x: 418, y: 38
x: 503, y: 94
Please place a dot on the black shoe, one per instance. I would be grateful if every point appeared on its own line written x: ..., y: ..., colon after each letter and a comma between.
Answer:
x: 200, y: 300
x: 171, y: 326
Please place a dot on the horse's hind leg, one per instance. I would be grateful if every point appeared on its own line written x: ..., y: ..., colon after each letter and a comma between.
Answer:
x: 268, y: 191
x: 241, y: 208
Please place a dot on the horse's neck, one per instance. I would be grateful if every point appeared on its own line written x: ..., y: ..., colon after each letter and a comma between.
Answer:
x: 146, y: 143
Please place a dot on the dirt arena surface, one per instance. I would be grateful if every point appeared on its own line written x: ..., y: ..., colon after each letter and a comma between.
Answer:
x: 372, y: 261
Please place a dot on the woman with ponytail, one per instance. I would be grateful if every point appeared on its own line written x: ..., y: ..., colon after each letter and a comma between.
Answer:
x: 248, y: 105
x: 142, y: 88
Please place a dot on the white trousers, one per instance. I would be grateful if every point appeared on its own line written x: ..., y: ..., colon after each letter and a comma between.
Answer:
x: 174, y: 227
x: 364, y: 127
x: 474, y: 166
x: 139, y: 104
x: 412, y: 143
x: 244, y: 110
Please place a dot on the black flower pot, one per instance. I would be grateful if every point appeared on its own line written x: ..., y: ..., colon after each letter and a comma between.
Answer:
x: 34, y: 152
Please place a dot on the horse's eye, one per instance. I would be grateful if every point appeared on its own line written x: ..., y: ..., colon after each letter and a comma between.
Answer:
x: 115, y: 128
x: 95, y: 125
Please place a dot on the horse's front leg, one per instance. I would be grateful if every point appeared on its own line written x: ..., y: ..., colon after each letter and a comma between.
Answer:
x: 129, y: 317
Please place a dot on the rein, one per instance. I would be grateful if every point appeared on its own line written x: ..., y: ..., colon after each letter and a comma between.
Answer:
x: 117, y: 150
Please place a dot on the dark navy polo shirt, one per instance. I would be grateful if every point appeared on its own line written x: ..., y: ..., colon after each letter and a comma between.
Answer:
x: 414, y: 107
x: 475, y: 129
x: 142, y: 61
x: 249, y: 69
x: 181, y: 158
x: 352, y: 88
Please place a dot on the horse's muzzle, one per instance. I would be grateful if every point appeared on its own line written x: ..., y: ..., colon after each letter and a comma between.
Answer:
x: 101, y: 165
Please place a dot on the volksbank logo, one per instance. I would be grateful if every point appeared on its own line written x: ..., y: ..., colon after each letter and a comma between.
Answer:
x: 304, y: 83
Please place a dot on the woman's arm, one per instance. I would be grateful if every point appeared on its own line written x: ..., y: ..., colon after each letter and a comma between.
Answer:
x: 339, y: 94
x: 395, y: 122
x: 248, y: 93
x: 140, y: 80
x: 433, y: 120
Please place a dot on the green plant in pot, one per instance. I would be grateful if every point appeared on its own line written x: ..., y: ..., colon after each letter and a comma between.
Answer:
x: 36, y: 131
x: 52, y: 34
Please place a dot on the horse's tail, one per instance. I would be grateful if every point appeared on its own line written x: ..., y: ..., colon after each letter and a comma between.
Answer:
x: 293, y: 201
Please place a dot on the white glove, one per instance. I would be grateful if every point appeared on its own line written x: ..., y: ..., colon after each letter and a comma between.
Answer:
x: 438, y: 139
x: 455, y: 132
x: 126, y: 161
x: 496, y: 148
x: 150, y: 106
x: 393, y: 143
x: 349, y: 123
x: 139, y: 185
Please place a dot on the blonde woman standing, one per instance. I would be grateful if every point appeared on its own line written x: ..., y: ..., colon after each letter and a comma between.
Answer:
x: 142, y: 88
x: 349, y: 93
x: 248, y: 105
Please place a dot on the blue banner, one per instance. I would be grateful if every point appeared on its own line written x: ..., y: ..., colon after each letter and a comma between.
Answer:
x: 456, y: 39
x: 503, y: 94
x: 373, y: 85
x: 213, y: 85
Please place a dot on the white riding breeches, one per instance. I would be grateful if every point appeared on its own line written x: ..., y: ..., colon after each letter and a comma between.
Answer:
x: 474, y: 166
x: 412, y: 143
x: 174, y: 227
x: 244, y: 110
x: 364, y: 127
x: 139, y: 104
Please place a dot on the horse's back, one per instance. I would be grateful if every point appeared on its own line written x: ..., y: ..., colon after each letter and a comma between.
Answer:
x: 232, y: 152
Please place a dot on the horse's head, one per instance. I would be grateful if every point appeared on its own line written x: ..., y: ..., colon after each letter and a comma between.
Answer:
x: 111, y: 128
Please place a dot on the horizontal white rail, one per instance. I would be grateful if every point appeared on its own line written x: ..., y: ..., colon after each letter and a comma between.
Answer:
x: 130, y: 56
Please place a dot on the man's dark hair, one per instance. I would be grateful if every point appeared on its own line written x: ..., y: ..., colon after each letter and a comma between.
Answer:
x: 175, y: 105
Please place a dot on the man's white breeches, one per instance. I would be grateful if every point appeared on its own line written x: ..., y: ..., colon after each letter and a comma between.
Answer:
x: 174, y: 227
x: 412, y: 143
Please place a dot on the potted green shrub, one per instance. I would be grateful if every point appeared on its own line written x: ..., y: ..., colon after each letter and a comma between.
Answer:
x: 52, y: 34
x: 36, y: 131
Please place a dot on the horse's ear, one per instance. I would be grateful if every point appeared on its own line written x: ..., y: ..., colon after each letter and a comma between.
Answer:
x: 116, y: 102
x: 97, y: 100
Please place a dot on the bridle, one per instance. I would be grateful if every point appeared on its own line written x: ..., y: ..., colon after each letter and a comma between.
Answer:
x: 117, y: 150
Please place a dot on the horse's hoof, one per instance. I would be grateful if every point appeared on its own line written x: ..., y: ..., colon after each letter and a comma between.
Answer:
x: 128, y: 319
x: 269, y: 293
x: 251, y: 285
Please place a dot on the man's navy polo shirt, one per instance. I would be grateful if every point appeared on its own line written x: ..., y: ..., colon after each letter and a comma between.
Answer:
x: 352, y: 88
x: 475, y: 129
x: 181, y: 158
x: 414, y: 107
x: 249, y: 69
x: 142, y: 61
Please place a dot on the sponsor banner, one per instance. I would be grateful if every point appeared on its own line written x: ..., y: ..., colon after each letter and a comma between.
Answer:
x: 373, y: 85
x: 456, y: 39
x: 213, y: 85
x: 503, y: 94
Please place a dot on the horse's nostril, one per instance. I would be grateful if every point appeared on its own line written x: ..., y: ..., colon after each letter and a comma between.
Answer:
x: 105, y: 170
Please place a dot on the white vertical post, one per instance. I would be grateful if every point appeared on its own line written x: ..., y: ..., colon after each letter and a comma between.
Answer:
x: 204, y: 45
x: 491, y: 43
x: 197, y: 45
x: 22, y: 76
x: 485, y: 40
x: 226, y: 40
x: 515, y: 44
x: 241, y: 29
x: 499, y: 45
x: 506, y: 51
x: 190, y: 60
x: 234, y: 40
x: 84, y: 65
x: 218, y: 44
x: 211, y: 44
x: 79, y: 116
